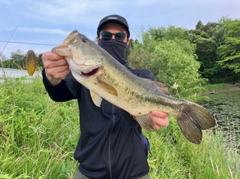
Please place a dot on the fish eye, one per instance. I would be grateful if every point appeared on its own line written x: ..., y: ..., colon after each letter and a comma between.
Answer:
x: 84, y: 39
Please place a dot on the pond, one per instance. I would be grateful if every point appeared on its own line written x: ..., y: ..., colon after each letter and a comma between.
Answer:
x: 226, y: 109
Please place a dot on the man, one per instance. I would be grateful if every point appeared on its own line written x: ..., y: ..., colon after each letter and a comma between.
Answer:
x: 111, y: 145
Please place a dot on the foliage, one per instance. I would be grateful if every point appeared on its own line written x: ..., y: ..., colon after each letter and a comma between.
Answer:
x: 230, y: 50
x: 216, y: 48
x: 18, y: 61
x: 217, y: 41
x: 169, y: 33
x: 31, y: 132
x: 38, y: 137
x: 207, y: 39
x: 176, y: 158
x: 172, y: 60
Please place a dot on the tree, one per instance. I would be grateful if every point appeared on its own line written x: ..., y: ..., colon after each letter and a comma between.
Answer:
x: 213, y: 50
x: 39, y: 62
x: 230, y: 51
x: 204, y: 38
x: 171, y: 58
x: 18, y: 61
x: 199, y: 25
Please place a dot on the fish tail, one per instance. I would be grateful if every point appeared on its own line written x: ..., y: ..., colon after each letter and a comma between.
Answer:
x: 193, y: 119
x: 31, y: 62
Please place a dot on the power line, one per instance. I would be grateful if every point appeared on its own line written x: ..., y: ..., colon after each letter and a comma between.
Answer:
x: 9, y: 39
x: 31, y: 43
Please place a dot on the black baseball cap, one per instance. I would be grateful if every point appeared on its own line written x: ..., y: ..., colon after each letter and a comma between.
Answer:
x: 113, y: 18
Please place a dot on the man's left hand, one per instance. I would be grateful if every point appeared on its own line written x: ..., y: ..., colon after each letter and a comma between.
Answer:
x: 160, y: 119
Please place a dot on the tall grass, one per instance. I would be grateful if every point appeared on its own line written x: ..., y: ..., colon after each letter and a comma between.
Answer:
x: 37, y: 135
x: 38, y: 138
x: 174, y: 157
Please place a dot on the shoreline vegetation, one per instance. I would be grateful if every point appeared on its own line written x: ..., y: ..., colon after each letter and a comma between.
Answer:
x: 221, y: 88
x: 38, y: 137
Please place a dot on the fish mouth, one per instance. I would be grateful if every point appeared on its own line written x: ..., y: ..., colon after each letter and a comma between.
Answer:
x: 91, y: 73
x: 83, y: 70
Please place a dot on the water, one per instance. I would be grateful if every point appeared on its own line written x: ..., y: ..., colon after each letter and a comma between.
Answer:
x: 16, y: 73
x: 226, y: 109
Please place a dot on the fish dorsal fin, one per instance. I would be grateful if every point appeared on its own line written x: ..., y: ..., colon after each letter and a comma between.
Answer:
x: 158, y: 86
x: 97, y: 100
x: 110, y: 89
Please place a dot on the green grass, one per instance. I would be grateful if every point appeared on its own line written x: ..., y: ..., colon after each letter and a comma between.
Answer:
x: 215, y: 88
x: 38, y: 138
x: 37, y: 135
x: 174, y: 157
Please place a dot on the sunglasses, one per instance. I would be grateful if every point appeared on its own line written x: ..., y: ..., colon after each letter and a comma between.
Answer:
x: 120, y: 36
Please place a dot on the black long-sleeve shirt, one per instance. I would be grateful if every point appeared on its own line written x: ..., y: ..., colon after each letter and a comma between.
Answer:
x: 110, y: 145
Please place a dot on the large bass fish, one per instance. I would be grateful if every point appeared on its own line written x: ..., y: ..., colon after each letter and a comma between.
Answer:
x: 106, y: 78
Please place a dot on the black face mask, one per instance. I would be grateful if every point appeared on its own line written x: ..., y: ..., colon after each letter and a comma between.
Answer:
x: 115, y: 48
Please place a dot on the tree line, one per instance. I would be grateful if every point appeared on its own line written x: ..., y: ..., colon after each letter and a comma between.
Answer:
x: 18, y: 61
x: 209, y: 52
x: 215, y: 45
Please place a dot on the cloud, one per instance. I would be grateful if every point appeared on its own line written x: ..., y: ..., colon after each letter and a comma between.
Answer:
x: 71, y: 11
x: 84, y: 12
x: 87, y: 13
x: 47, y: 21
x: 44, y: 30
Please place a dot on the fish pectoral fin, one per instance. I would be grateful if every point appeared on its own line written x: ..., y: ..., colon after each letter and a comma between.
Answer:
x: 97, y: 100
x: 110, y: 89
x: 158, y: 86
x: 146, y: 122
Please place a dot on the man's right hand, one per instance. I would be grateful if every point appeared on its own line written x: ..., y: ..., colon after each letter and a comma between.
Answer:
x: 56, y: 67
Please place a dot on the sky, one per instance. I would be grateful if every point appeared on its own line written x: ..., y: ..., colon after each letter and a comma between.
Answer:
x: 47, y: 22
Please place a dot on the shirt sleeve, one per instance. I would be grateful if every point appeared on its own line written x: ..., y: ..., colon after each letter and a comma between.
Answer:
x: 143, y: 73
x: 146, y: 74
x: 66, y: 90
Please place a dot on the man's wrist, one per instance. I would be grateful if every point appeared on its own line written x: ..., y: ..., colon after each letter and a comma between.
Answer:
x: 52, y: 81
